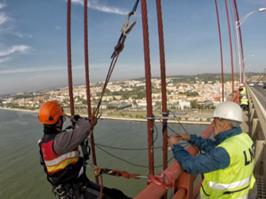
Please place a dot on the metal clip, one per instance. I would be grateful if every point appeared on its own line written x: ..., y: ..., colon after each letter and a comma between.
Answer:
x: 127, y: 26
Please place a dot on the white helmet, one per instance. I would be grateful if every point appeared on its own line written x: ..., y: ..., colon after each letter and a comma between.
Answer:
x: 229, y: 111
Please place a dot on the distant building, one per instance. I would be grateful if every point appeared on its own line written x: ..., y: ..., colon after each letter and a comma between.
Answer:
x: 184, y: 104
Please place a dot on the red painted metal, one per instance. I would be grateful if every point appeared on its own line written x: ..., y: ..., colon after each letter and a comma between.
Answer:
x: 231, y: 46
x: 184, y: 184
x: 238, y: 29
x: 87, y: 81
x: 153, y: 191
x: 181, y: 193
x: 221, y: 48
x: 150, y: 122
x: 163, y: 82
x: 69, y: 64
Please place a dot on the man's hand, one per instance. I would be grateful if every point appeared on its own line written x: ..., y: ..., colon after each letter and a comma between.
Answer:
x: 175, y: 139
x: 185, y: 136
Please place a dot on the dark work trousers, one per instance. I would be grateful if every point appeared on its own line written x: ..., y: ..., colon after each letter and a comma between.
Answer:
x: 83, y: 188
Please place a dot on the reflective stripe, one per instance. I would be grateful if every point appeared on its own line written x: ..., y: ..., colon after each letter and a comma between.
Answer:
x: 233, y: 185
x: 61, y: 158
x: 62, y: 165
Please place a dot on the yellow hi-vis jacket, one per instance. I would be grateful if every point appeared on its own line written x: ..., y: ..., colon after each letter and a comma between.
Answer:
x: 243, y: 92
x: 243, y: 101
x: 237, y: 179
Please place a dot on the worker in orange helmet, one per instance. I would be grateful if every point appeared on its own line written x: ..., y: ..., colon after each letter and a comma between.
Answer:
x: 63, y: 155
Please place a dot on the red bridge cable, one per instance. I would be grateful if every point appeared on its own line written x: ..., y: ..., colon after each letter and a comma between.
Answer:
x: 150, y: 122
x: 231, y: 46
x: 221, y: 48
x: 69, y: 64
x: 87, y: 81
x: 163, y: 82
x: 238, y: 32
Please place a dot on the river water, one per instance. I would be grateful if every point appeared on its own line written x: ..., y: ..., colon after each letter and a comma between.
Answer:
x: 21, y: 175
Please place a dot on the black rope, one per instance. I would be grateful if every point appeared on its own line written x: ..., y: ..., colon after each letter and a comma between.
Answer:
x: 128, y: 162
x: 126, y: 148
x: 182, y: 126
x: 127, y: 27
x: 132, y: 148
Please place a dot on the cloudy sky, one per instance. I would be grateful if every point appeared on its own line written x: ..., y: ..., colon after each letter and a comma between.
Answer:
x: 33, y: 40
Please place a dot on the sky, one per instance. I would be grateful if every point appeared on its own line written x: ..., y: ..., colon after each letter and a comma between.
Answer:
x: 33, y: 40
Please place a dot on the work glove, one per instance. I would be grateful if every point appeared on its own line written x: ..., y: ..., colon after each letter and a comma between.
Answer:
x: 75, y: 118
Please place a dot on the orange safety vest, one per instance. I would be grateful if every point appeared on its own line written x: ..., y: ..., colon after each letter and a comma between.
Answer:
x: 55, y: 163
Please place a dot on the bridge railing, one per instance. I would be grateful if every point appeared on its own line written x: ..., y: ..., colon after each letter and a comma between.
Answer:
x: 257, y: 129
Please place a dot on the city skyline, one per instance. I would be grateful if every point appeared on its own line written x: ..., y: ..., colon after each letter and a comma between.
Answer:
x: 33, y: 40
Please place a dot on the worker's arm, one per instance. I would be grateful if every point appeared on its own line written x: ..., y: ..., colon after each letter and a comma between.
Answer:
x: 213, y: 160
x: 67, y: 141
x: 203, y: 144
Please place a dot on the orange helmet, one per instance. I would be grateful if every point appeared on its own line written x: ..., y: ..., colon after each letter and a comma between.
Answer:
x: 50, y: 112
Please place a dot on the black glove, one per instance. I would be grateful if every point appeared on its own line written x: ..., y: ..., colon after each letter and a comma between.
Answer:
x: 75, y: 118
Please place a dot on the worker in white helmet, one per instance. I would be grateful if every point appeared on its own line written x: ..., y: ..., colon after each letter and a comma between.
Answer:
x: 226, y: 162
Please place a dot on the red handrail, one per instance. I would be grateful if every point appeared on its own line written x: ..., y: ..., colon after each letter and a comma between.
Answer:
x: 155, y: 191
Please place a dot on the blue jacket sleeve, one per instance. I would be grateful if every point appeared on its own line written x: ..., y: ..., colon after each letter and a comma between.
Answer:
x: 203, y: 144
x: 213, y: 160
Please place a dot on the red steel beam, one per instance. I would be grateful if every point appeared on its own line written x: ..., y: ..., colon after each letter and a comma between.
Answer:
x: 221, y: 48
x: 181, y: 193
x: 154, y: 191
x: 69, y: 64
x: 87, y: 81
x: 231, y: 46
x: 150, y: 122
x: 163, y: 81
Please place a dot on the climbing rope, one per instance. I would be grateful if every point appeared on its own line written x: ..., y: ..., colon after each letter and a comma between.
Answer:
x: 126, y: 148
x: 128, y: 162
x: 126, y: 28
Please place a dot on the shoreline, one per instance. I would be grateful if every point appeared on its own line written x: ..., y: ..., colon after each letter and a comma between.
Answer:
x: 116, y: 118
x: 156, y: 120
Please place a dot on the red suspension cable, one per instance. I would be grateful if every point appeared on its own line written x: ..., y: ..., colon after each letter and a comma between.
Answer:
x: 69, y: 64
x: 231, y: 46
x: 163, y: 82
x: 87, y: 80
x: 239, y: 38
x: 150, y: 122
x: 221, y: 48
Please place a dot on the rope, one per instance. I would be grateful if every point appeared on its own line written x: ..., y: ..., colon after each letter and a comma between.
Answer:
x: 128, y: 162
x: 132, y: 148
x: 126, y: 28
x: 126, y: 148
x: 182, y: 126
